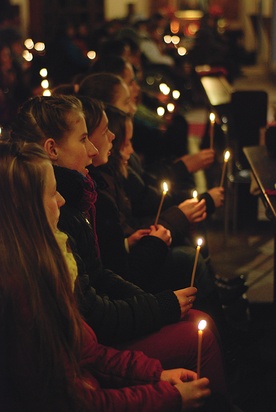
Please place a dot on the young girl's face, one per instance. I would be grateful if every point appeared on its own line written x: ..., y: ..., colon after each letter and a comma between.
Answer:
x: 52, y: 199
x: 122, y: 98
x: 102, y: 139
x: 127, y: 148
x: 134, y: 89
x: 75, y: 151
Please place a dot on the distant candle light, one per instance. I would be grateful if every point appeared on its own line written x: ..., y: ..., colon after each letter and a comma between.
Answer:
x: 91, y: 54
x: 46, y: 92
x: 170, y: 107
x: 176, y: 94
x: 167, y: 39
x: 45, y: 84
x: 39, y: 46
x: 29, y: 44
x: 164, y: 88
x: 160, y: 111
x: 43, y: 72
x: 181, y: 51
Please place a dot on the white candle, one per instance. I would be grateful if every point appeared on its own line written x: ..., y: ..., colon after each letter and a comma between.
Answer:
x: 202, y: 325
x: 225, y: 162
x: 165, y: 190
x: 195, y: 195
x: 199, y: 243
x: 212, y: 118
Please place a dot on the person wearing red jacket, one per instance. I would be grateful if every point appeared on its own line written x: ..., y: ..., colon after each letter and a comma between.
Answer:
x: 120, y: 313
x: 50, y: 360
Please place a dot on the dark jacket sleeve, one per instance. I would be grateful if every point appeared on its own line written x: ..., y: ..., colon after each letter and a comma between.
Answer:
x: 148, y: 255
x: 116, y: 309
x: 121, y: 320
x: 210, y: 205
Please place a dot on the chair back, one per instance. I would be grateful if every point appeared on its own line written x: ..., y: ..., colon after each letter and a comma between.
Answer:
x: 248, y: 114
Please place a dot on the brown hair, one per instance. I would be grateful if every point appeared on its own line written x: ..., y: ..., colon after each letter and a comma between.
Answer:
x: 101, y: 86
x: 93, y: 110
x: 117, y: 124
x: 42, y: 117
x: 36, y: 298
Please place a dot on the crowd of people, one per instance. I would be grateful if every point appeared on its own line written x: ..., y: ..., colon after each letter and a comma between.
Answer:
x: 97, y: 307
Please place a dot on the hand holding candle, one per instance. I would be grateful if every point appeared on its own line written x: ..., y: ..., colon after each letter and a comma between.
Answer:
x: 225, y: 162
x: 212, y: 118
x: 165, y: 190
x: 199, y: 243
x: 202, y: 325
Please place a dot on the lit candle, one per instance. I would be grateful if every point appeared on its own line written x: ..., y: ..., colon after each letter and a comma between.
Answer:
x: 202, y: 325
x: 165, y: 189
x: 199, y: 243
x: 195, y: 195
x: 212, y: 118
x: 225, y: 162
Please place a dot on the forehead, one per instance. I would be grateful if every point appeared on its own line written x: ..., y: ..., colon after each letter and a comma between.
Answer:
x: 128, y: 72
x: 75, y: 116
x: 49, y: 176
x: 123, y: 91
x: 129, y: 128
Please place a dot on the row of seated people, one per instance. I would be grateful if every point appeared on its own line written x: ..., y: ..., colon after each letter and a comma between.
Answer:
x: 161, y: 324
x: 148, y: 307
x: 123, y: 315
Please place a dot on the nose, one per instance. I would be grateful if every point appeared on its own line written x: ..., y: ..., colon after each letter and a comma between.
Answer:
x: 92, y: 151
x: 111, y: 135
x: 60, y: 200
x: 131, y: 150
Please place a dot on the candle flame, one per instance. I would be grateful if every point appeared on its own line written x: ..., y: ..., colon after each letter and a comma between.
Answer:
x: 212, y: 117
x: 165, y: 187
x: 195, y: 194
x: 226, y: 156
x: 199, y: 242
x: 202, y: 324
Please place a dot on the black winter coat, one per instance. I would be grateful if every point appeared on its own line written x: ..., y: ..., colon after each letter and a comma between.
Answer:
x: 117, y: 310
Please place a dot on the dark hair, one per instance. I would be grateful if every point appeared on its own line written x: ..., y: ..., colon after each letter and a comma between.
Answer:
x: 101, y: 86
x: 109, y: 64
x: 113, y: 47
x: 117, y: 124
x: 65, y: 88
x: 93, y: 110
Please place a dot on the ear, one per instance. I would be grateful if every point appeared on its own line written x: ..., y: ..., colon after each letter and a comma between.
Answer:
x: 51, y: 148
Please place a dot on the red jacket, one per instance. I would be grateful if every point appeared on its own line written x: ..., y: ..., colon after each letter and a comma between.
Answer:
x: 125, y: 380
x: 118, y: 381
